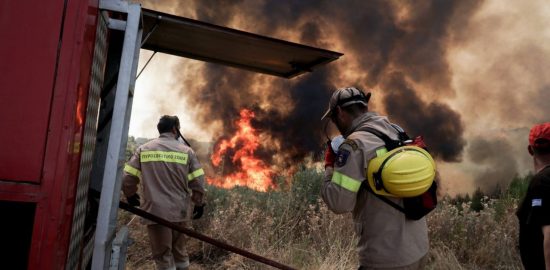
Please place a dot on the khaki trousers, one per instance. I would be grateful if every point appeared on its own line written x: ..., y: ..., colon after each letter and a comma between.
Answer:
x: 419, y: 265
x: 168, y: 246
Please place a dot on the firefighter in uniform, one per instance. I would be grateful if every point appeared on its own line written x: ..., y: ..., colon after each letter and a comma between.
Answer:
x: 173, y: 188
x: 387, y: 240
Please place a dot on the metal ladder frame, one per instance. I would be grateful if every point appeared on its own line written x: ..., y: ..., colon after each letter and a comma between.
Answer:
x: 118, y: 134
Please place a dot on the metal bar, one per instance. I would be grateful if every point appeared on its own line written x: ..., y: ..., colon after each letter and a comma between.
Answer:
x: 116, y: 24
x: 145, y: 39
x: 111, y: 177
x: 132, y: 87
x: 203, y: 237
x: 151, y: 31
x: 146, y: 63
x: 114, y: 5
x: 120, y: 247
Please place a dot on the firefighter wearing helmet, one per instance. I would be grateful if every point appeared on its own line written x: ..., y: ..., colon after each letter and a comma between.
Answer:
x: 387, y: 239
x: 172, y: 181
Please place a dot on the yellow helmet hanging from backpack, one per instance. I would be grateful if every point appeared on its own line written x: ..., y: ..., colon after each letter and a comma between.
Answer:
x: 406, y: 171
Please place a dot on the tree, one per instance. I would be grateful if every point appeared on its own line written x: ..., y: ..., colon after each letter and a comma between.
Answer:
x: 477, y: 200
x: 131, y: 147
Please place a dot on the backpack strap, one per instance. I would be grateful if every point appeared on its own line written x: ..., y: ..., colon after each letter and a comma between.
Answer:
x: 390, y: 145
x: 384, y: 199
x: 401, y: 134
x: 389, y: 142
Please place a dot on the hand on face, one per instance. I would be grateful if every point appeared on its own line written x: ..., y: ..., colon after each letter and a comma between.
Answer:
x: 330, y: 156
x: 340, y: 118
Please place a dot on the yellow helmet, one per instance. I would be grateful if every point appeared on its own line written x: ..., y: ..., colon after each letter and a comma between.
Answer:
x: 406, y: 171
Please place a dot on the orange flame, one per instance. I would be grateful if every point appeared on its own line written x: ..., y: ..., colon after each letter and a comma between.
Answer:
x: 252, y: 172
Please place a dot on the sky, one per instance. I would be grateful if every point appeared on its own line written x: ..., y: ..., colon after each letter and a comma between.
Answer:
x: 470, y: 76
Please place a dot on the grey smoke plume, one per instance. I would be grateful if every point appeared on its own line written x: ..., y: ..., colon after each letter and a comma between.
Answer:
x: 503, y: 167
x: 388, y: 46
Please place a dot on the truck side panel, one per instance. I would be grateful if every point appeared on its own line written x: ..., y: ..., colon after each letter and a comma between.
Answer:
x: 47, y: 52
x: 30, y: 32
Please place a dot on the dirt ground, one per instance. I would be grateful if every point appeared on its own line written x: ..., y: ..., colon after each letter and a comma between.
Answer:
x: 139, y: 252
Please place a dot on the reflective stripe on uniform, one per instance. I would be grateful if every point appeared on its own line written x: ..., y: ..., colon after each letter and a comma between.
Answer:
x: 195, y: 174
x: 132, y: 171
x: 380, y: 152
x: 346, y: 181
x: 164, y: 156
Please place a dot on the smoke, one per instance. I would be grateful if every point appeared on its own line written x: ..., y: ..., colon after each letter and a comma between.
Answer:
x: 499, y: 60
x: 452, y: 71
x: 383, y: 40
x: 496, y: 166
x: 299, y: 130
x: 440, y: 125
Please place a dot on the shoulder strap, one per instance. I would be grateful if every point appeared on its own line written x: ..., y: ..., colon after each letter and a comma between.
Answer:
x: 384, y: 199
x: 389, y: 142
x: 403, y: 136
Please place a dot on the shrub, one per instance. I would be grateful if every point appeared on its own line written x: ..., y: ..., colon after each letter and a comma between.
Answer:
x: 293, y: 226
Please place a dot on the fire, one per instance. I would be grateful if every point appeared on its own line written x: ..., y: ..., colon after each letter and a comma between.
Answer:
x: 250, y: 170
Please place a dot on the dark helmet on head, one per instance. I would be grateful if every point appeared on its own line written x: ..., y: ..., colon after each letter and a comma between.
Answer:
x: 344, y: 97
x: 167, y: 122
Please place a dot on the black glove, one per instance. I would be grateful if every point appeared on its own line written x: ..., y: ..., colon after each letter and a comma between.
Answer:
x: 133, y: 200
x: 198, y: 210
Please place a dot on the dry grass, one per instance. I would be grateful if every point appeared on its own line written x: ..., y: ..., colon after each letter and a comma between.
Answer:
x: 294, y: 227
x: 465, y: 239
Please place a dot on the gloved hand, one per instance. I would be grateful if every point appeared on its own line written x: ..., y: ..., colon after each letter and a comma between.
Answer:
x: 197, y: 197
x: 198, y: 210
x: 330, y: 156
x: 134, y: 200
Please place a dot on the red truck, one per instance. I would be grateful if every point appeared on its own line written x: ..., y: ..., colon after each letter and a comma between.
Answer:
x: 67, y: 75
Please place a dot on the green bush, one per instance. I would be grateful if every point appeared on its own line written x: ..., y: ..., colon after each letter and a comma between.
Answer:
x: 518, y: 187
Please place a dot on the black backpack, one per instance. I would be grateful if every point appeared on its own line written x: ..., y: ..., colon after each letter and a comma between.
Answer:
x: 413, y: 207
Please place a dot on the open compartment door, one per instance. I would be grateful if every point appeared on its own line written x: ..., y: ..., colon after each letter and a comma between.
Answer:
x: 189, y: 38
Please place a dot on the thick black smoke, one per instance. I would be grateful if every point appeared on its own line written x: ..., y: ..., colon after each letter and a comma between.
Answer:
x: 388, y: 46
x: 439, y: 124
x: 299, y: 134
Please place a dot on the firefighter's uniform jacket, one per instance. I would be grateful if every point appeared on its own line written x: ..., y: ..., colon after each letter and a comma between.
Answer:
x: 169, y: 171
x: 386, y: 238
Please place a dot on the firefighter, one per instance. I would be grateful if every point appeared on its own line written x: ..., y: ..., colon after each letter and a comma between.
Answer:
x: 534, y: 211
x: 172, y: 180
x: 387, y: 239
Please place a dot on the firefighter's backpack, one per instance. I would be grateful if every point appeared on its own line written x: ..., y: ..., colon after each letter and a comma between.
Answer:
x: 404, y: 169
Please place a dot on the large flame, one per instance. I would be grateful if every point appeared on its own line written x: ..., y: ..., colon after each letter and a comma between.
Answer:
x: 250, y: 171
